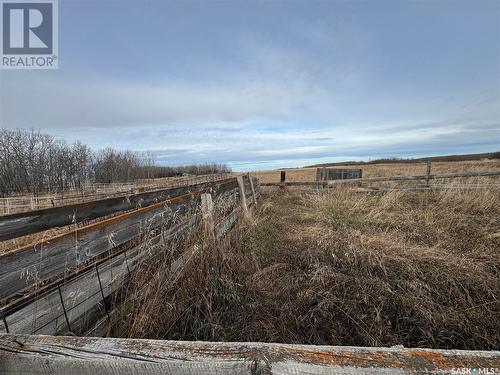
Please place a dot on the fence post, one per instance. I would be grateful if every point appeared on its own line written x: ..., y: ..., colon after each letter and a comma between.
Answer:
x: 282, y: 180
x: 243, y: 198
x: 428, y: 172
x: 207, y: 212
x: 253, y: 189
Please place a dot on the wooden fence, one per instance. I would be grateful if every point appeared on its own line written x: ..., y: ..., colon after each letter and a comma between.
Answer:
x: 357, y: 181
x: 21, y: 354
x: 23, y: 203
x: 327, y: 174
x: 24, y: 223
x: 66, y: 283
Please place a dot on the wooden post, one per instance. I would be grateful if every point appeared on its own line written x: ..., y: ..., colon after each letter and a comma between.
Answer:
x: 282, y: 180
x: 428, y: 172
x: 243, y: 198
x: 253, y: 189
x: 207, y: 212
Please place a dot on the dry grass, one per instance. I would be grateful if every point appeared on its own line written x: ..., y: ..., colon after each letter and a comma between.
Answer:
x: 421, y: 269
x: 372, y: 170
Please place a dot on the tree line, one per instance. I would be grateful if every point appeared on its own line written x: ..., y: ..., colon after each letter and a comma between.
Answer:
x: 33, y: 162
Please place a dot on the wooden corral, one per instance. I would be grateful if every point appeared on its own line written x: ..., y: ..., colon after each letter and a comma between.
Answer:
x: 64, y: 284
x: 21, y: 354
x: 328, y: 174
x: 97, y: 191
x: 20, y: 224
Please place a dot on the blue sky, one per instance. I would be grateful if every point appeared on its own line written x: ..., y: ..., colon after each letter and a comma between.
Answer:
x: 268, y: 84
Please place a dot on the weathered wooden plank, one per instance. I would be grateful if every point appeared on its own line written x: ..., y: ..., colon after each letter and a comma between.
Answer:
x: 102, y: 326
x: 252, y: 188
x: 243, y: 196
x: 207, y: 210
x: 77, y: 304
x: 21, y: 354
x: 324, y: 174
x: 391, y: 178
x: 82, y: 296
x: 20, y: 224
x: 22, y: 268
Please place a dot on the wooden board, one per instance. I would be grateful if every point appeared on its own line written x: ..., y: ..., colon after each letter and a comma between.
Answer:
x: 324, y: 174
x: 82, y: 297
x: 20, y: 354
x: 21, y: 269
x: 20, y: 224
x: 76, y: 305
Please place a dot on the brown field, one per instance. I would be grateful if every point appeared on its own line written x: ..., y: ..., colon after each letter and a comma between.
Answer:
x: 391, y: 169
x: 339, y: 267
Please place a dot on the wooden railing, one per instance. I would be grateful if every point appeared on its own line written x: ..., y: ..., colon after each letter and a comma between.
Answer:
x: 21, y: 354
x: 426, y: 177
x: 97, y: 191
x: 64, y: 283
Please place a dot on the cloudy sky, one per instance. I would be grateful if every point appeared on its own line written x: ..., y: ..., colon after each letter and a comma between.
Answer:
x: 268, y: 84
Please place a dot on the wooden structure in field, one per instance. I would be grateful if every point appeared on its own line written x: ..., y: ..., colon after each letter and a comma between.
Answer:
x: 98, y: 191
x: 329, y: 174
x: 66, y: 283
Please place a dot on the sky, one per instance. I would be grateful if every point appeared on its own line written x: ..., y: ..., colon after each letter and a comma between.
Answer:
x: 268, y: 84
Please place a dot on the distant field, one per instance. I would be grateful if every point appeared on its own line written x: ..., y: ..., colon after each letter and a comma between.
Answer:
x: 386, y: 169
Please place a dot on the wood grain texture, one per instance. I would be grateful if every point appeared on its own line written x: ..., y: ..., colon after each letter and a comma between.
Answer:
x: 252, y: 188
x: 76, y: 355
x: 243, y: 196
x: 82, y: 296
x: 78, y: 305
x: 20, y: 224
x: 20, y: 269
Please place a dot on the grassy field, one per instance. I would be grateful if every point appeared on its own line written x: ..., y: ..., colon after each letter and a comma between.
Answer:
x: 419, y: 269
x: 392, y: 169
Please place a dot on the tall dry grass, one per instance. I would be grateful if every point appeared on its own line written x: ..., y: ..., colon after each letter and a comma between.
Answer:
x: 419, y: 269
